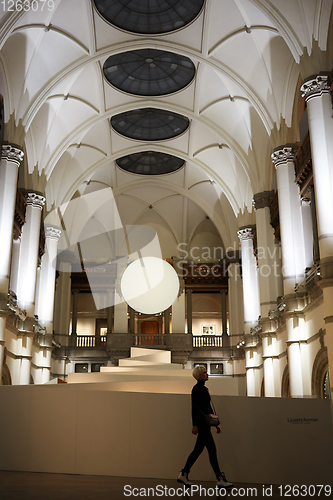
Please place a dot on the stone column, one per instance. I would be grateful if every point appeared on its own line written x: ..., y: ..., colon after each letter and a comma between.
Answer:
x: 131, y: 321
x: 307, y: 231
x: 250, y: 279
x: 268, y: 271
x: 62, y: 308
x: 74, y: 315
x: 11, y: 159
x: 319, y: 106
x: 167, y: 320
x: 47, y: 278
x: 225, y: 336
x: 110, y: 318
x: 291, y: 224
x: 293, y: 260
x: 26, y: 282
x: 120, y: 311
x: 236, y: 306
x: 26, y: 356
x: 26, y: 279
x: 268, y: 283
x: 189, y: 311
x: 316, y: 254
x: 14, y: 265
x: 251, y: 310
x: 178, y: 310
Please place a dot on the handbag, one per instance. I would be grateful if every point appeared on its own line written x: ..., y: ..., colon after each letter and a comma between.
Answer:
x: 212, y: 419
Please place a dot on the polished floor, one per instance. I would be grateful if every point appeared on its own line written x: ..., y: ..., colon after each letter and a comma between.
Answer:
x: 39, y: 486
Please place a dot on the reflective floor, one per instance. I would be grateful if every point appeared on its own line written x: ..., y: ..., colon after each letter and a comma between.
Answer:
x: 40, y: 486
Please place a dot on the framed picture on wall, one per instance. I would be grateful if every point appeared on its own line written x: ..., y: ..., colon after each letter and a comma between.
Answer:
x: 208, y: 330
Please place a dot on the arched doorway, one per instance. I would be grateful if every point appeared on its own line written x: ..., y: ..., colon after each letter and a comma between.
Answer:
x: 285, y: 386
x: 320, y: 383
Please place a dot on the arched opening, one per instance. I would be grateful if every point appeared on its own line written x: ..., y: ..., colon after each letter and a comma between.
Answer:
x: 320, y: 384
x: 6, y: 378
x: 285, y: 387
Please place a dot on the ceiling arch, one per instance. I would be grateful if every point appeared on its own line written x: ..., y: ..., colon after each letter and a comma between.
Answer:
x: 247, y: 55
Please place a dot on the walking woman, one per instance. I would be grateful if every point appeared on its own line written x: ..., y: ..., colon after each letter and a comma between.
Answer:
x: 201, y: 406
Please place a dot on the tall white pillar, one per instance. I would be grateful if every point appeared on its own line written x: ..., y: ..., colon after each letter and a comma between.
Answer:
x: 307, y: 231
x: 250, y: 278
x: 236, y: 306
x: 11, y: 159
x: 120, y: 318
x: 319, y: 107
x: 251, y: 298
x: 29, y: 253
x: 62, y: 308
x: 120, y: 309
x: 26, y: 281
x: 266, y: 250
x: 268, y: 283
x: 47, y: 279
x: 178, y: 311
x: 293, y: 235
x: 14, y: 265
x: 291, y: 224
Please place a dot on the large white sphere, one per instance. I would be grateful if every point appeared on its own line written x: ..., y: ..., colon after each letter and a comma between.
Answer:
x: 149, y: 285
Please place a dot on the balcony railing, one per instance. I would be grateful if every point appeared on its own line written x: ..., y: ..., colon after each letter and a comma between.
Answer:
x: 91, y: 341
x: 207, y: 340
x: 149, y: 340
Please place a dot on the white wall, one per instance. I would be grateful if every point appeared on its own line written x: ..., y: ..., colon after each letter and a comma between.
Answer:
x: 67, y: 429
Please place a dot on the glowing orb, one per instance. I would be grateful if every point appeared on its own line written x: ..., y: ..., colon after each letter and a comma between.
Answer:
x: 149, y: 285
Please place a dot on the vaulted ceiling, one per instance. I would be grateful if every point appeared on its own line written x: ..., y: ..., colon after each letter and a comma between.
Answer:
x: 249, y: 57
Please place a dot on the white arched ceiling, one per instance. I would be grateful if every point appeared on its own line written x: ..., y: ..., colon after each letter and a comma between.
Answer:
x: 246, y: 53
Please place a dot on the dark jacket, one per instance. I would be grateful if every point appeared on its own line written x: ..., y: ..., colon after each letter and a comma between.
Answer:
x: 200, y: 398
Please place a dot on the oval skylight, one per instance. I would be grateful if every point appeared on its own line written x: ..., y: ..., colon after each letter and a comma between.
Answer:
x: 150, y: 163
x: 150, y: 124
x: 149, y: 17
x: 149, y: 72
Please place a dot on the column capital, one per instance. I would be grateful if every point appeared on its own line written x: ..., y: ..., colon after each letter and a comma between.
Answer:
x: 263, y: 199
x: 35, y: 200
x: 282, y: 154
x: 52, y: 233
x: 315, y: 86
x: 246, y: 233
x: 12, y: 154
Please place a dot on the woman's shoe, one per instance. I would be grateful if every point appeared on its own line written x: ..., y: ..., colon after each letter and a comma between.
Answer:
x: 222, y: 481
x: 183, y: 478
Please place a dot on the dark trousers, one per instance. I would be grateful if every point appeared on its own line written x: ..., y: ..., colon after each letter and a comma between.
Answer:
x: 204, y: 439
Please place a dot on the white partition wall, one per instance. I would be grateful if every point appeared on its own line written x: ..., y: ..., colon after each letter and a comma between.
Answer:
x: 68, y: 429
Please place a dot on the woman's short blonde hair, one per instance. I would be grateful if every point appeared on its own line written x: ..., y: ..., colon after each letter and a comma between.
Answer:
x: 198, y: 371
